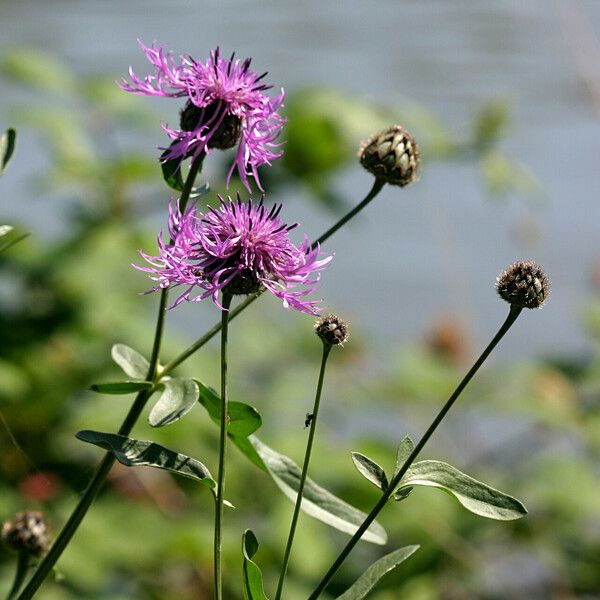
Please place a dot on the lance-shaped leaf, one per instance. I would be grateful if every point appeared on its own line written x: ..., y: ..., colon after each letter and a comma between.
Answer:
x: 370, y: 470
x: 132, y: 362
x: 140, y: 453
x: 405, y: 449
x: 8, y: 142
x: 252, y: 577
x: 121, y: 387
x: 177, y: 399
x: 171, y: 172
x: 365, y: 583
x: 474, y: 495
x: 316, y: 501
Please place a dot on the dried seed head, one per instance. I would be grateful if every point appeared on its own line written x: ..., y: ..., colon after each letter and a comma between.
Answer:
x: 391, y: 155
x: 523, y: 284
x: 332, y: 330
x: 27, y: 532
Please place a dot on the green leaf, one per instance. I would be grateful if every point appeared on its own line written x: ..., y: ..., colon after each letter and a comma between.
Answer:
x: 178, y: 398
x: 8, y: 141
x: 316, y: 501
x: 121, y: 387
x: 253, y: 583
x: 370, y: 470
x: 171, y: 172
x: 243, y: 418
x: 130, y: 361
x: 405, y: 449
x: 6, y: 244
x: 138, y: 453
x: 5, y: 229
x: 474, y: 495
x: 365, y: 583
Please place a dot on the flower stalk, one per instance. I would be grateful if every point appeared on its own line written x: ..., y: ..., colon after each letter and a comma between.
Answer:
x: 23, y: 562
x: 514, y: 312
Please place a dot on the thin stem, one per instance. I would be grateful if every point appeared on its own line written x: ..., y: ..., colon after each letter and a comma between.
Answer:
x: 22, y: 566
x: 103, y: 469
x: 377, y: 186
x: 512, y: 317
x: 309, y: 444
x: 226, y: 303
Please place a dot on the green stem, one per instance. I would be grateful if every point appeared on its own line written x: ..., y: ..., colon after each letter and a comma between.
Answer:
x: 512, y: 317
x: 101, y: 473
x: 309, y: 444
x: 22, y: 566
x: 226, y: 303
x: 377, y: 186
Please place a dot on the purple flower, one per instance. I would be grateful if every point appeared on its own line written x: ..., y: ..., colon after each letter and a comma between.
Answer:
x: 226, y: 106
x: 237, y: 248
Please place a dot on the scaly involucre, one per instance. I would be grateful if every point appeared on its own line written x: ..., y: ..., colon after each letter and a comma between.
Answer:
x: 224, y: 99
x: 237, y: 248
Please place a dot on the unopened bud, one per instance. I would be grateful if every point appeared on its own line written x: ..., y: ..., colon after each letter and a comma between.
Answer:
x: 524, y: 285
x: 391, y: 155
x: 27, y: 532
x: 332, y: 330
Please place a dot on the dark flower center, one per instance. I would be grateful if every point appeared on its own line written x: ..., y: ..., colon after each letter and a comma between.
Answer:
x: 228, y: 132
x: 244, y: 283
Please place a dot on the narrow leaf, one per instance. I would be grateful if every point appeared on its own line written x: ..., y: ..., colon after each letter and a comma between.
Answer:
x: 370, y: 470
x: 8, y: 142
x: 243, y: 419
x: 131, y: 361
x: 136, y: 453
x: 253, y: 583
x: 171, y: 172
x: 316, y: 501
x: 405, y: 449
x: 178, y: 398
x: 474, y: 495
x: 365, y: 583
x: 121, y: 387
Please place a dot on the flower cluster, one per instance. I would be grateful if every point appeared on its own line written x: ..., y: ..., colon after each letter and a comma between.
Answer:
x: 226, y: 106
x: 238, y: 248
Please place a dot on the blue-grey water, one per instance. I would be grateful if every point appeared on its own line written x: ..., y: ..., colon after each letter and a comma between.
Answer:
x: 436, y: 248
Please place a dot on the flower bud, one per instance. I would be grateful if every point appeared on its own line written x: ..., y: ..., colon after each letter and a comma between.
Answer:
x: 332, y: 330
x: 391, y: 155
x: 524, y: 285
x: 227, y: 134
x: 28, y: 533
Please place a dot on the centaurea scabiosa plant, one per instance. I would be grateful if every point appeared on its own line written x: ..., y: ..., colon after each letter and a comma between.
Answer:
x: 225, y: 106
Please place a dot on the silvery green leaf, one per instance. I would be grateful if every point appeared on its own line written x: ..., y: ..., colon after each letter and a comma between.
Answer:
x: 131, y: 361
x: 405, y: 449
x: 365, y: 583
x: 177, y: 399
x: 474, y: 495
x: 370, y: 470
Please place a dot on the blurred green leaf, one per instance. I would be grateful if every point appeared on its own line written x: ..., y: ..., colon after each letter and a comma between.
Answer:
x: 490, y: 123
x: 316, y: 501
x: 8, y: 142
x: 178, y: 398
x: 38, y: 70
x: 139, y: 453
x: 131, y: 361
x: 121, y: 387
x: 365, y: 583
x: 405, y: 449
x: 370, y: 470
x: 474, y: 495
x: 243, y: 418
x: 5, y: 229
x: 253, y: 583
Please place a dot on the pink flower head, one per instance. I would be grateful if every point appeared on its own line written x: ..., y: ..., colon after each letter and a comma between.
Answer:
x: 225, y: 103
x: 237, y: 248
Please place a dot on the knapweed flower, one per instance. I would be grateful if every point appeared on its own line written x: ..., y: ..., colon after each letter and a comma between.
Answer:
x: 524, y: 285
x: 239, y: 248
x: 226, y: 106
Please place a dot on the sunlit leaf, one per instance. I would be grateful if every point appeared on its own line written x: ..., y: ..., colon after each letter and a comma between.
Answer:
x: 131, y: 361
x: 177, y: 399
x: 405, y: 449
x: 365, y: 583
x: 474, y: 495
x: 370, y: 470
x: 8, y: 142
x: 252, y: 577
x: 121, y: 387
x: 139, y: 453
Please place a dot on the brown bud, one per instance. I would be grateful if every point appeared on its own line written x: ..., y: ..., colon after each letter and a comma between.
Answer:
x: 524, y: 285
x: 391, y: 155
x: 27, y: 532
x: 332, y: 330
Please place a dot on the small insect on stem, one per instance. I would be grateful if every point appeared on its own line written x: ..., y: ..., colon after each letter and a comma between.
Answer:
x: 308, y: 420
